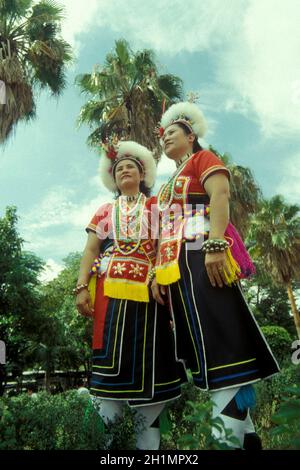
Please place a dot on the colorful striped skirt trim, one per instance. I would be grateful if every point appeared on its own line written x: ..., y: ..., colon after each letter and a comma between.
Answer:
x: 216, y: 335
x: 137, y: 359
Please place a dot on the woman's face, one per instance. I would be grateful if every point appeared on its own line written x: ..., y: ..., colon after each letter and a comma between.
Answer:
x: 176, y: 143
x: 128, y: 176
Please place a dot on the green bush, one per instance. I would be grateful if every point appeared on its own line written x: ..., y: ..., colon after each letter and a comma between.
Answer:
x: 177, y: 412
x: 270, y: 394
x: 280, y: 342
x: 63, y: 421
x: 68, y: 421
x: 287, y: 419
x: 191, y: 423
x: 201, y: 437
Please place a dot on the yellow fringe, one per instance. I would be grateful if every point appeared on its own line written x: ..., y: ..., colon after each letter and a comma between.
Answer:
x: 232, y: 267
x: 166, y: 275
x: 126, y: 290
x: 92, y: 287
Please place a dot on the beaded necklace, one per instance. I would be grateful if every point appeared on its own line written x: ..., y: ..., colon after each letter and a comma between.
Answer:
x: 183, y: 159
x: 166, y: 193
x: 118, y: 225
x: 123, y: 202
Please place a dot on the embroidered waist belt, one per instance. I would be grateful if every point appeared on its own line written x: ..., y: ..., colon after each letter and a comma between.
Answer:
x: 177, y: 229
x: 126, y: 276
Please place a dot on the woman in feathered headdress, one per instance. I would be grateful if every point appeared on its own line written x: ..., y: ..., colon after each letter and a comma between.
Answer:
x: 201, y: 259
x: 133, y: 346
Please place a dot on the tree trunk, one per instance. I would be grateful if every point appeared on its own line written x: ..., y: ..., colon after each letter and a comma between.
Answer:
x: 2, y: 379
x: 47, y: 379
x: 294, y: 308
x: 257, y: 296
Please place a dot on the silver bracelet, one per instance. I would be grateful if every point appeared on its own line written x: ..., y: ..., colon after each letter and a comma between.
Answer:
x: 214, y: 245
x: 79, y: 288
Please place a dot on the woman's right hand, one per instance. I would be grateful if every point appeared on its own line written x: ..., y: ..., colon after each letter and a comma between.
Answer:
x: 84, y: 303
x: 157, y: 291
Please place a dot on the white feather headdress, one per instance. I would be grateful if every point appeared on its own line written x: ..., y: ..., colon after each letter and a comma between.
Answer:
x: 185, y: 112
x: 128, y: 149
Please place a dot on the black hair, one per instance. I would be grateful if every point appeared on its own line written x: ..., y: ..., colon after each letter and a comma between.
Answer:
x: 196, y: 146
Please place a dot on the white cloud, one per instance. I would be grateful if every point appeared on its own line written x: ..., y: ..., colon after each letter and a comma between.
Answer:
x: 79, y: 17
x: 57, y: 208
x: 290, y: 182
x: 56, y: 225
x: 255, y: 45
x: 156, y: 24
x: 262, y: 66
x: 51, y: 271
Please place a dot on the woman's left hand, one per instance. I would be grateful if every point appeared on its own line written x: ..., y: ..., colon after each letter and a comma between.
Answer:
x: 215, y: 264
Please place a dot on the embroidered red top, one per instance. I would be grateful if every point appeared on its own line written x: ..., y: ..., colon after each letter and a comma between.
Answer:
x: 127, y: 274
x: 202, y: 165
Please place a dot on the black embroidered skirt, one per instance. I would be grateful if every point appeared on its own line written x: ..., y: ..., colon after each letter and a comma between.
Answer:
x: 215, y: 332
x: 137, y: 359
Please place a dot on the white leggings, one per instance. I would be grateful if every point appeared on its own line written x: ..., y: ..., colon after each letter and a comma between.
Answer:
x: 240, y: 425
x: 148, y: 437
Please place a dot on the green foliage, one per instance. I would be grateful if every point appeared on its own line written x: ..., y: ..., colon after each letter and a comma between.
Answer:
x: 270, y: 394
x: 39, y: 323
x: 33, y: 55
x: 274, y: 236
x: 272, y: 389
x: 200, y: 417
x: 287, y: 419
x: 192, y: 423
x: 177, y: 414
x: 125, y: 96
x: 268, y: 301
x: 65, y: 421
x: 245, y: 193
x: 279, y: 341
x: 75, y: 330
x: 69, y: 421
x: 19, y: 296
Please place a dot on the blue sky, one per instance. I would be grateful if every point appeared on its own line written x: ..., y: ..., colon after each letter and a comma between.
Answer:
x: 241, y: 56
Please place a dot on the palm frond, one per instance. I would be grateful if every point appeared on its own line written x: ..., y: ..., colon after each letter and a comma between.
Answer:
x: 275, y: 228
x: 86, y: 84
x: 11, y: 71
x: 92, y: 112
x: 41, y: 31
x: 32, y: 55
x: 133, y: 91
x: 144, y: 60
x: 14, y: 8
x: 48, y: 62
x: 48, y: 10
x: 122, y: 51
x: 172, y: 86
x: 19, y: 105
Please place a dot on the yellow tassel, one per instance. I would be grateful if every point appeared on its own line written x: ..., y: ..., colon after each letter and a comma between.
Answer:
x: 92, y: 287
x: 166, y: 275
x: 118, y: 289
x: 232, y: 267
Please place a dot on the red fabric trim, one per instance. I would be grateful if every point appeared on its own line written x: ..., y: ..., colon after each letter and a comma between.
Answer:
x: 100, y: 309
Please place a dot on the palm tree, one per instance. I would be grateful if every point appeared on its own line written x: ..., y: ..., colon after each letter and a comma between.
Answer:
x: 32, y: 55
x: 275, y: 237
x: 126, y: 96
x: 245, y: 193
